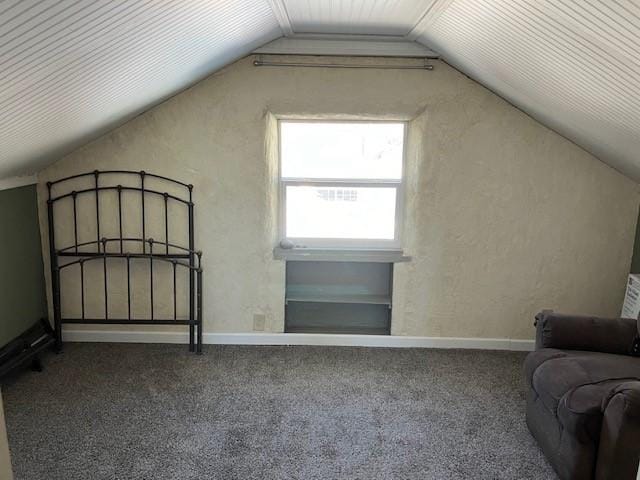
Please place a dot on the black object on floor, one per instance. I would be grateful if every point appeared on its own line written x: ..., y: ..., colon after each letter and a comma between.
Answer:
x: 26, y: 348
x: 109, y: 411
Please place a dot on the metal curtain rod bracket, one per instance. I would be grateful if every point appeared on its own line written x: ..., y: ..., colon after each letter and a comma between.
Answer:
x: 262, y: 63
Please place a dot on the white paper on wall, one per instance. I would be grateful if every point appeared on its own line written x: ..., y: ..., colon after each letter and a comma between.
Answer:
x: 631, y: 305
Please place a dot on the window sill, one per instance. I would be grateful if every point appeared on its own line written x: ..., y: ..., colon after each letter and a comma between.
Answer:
x: 339, y: 255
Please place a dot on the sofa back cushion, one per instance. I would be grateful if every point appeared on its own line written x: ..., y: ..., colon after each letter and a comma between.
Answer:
x: 581, y: 332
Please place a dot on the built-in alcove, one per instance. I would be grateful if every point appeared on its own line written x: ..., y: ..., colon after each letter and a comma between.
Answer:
x: 351, y: 297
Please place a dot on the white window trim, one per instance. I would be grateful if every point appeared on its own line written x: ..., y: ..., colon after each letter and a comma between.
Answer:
x: 342, y: 243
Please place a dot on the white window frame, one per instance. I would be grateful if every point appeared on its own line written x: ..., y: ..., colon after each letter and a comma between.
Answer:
x: 345, y: 183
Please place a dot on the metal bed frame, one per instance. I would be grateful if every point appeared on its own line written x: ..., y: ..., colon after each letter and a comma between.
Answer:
x: 96, y: 250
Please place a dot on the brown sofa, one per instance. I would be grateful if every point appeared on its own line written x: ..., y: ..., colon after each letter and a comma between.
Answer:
x: 583, y: 395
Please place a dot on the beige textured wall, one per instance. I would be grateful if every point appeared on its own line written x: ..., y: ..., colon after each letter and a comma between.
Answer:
x: 503, y: 216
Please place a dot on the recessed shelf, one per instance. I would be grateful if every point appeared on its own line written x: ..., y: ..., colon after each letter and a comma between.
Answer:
x: 338, y: 298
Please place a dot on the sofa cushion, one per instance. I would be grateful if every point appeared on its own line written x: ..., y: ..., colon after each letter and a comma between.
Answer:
x: 558, y: 372
x: 579, y: 332
x: 580, y: 410
x: 537, y: 358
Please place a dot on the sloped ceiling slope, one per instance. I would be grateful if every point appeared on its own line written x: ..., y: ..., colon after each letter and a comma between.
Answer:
x: 71, y: 69
x: 572, y: 64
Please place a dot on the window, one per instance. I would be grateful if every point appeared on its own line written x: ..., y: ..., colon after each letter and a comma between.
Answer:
x: 341, y: 183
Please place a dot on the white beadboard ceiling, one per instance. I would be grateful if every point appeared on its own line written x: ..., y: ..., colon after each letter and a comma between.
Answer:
x: 572, y: 64
x: 72, y: 69
x: 363, y: 17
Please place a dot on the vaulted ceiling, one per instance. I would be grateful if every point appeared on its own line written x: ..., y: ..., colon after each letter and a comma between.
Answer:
x: 73, y: 69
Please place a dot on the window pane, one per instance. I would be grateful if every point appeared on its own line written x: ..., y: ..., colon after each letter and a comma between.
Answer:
x: 342, y: 150
x: 341, y: 212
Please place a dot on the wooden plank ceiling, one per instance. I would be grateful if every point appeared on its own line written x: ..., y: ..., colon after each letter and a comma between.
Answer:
x: 73, y: 69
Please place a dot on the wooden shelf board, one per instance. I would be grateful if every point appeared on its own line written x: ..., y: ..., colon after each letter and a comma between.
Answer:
x: 337, y: 298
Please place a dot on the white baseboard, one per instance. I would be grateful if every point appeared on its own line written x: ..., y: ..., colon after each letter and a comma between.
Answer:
x: 393, y: 341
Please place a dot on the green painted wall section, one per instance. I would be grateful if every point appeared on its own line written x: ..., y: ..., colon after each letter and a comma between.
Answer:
x: 22, y: 290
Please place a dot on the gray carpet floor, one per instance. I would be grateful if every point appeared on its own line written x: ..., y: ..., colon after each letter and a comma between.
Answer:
x: 107, y: 411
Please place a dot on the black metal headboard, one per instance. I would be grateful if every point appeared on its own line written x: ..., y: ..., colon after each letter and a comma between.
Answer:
x: 127, y: 249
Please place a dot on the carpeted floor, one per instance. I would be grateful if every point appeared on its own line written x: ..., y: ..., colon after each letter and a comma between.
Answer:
x: 107, y: 411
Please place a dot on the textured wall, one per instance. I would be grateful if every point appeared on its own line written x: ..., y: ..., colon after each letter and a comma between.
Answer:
x: 503, y: 216
x: 22, y: 292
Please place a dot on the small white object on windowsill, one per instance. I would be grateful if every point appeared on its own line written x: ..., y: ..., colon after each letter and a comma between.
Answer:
x: 287, y: 244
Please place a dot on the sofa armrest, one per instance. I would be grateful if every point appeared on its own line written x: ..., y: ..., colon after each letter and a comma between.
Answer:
x: 574, y: 332
x: 619, y: 449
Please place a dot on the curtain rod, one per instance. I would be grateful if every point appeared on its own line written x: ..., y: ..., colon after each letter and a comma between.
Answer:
x: 261, y: 63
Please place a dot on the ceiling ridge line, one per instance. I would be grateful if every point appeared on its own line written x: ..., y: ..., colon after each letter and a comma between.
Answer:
x: 341, y: 45
x: 279, y: 9
x: 348, y: 36
x: 430, y: 16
